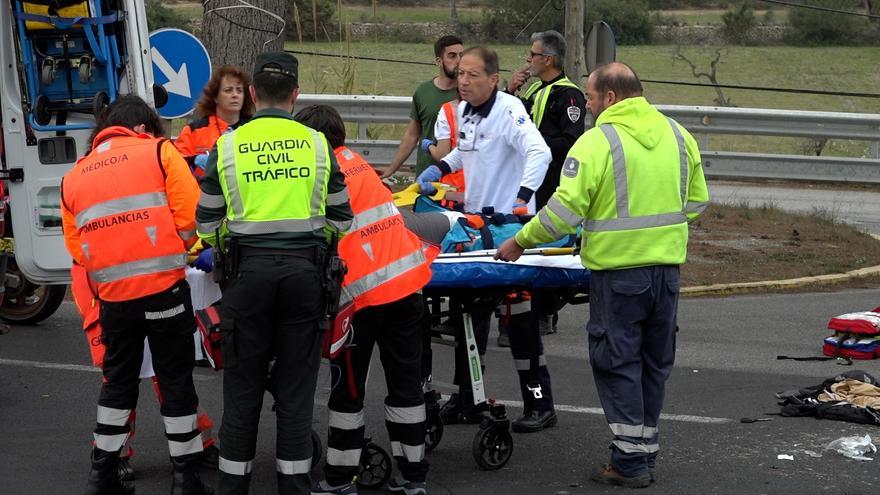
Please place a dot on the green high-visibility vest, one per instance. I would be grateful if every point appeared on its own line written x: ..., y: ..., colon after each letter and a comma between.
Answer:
x: 539, y: 100
x: 274, y: 175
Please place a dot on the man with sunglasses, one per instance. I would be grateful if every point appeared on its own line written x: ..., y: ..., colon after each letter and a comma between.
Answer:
x: 558, y: 109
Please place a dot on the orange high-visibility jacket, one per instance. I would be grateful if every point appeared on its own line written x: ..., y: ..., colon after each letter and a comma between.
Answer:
x: 128, y: 212
x: 199, y: 136
x: 455, y: 178
x: 386, y: 261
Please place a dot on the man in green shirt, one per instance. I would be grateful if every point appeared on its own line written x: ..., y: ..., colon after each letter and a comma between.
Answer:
x: 426, y: 103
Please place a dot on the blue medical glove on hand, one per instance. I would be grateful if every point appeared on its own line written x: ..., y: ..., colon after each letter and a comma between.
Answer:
x: 425, y: 179
x: 427, y: 142
x: 204, y: 261
x: 201, y: 160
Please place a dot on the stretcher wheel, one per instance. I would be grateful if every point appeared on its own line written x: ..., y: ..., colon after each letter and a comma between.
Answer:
x: 47, y: 71
x: 85, y: 70
x: 317, y: 449
x: 433, y: 431
x: 102, y: 101
x: 374, y: 470
x: 492, y: 447
x: 42, y: 115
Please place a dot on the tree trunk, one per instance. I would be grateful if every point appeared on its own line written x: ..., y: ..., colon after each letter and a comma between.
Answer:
x: 574, y: 40
x: 454, y: 13
x: 235, y: 36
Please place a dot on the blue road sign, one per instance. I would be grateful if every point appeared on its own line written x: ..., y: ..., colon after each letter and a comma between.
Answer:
x: 182, y: 66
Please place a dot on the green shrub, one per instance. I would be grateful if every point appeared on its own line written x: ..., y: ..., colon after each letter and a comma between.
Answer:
x: 160, y: 16
x: 814, y: 27
x: 630, y: 21
x: 504, y: 20
x: 738, y: 21
x: 324, y: 9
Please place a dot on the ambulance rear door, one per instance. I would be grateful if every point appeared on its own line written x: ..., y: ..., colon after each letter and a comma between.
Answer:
x: 36, y: 159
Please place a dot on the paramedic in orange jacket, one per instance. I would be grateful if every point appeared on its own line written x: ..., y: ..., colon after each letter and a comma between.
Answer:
x: 89, y: 308
x: 225, y: 103
x: 387, y: 267
x: 128, y: 212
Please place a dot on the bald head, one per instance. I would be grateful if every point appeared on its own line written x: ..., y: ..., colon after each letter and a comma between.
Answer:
x: 609, y: 84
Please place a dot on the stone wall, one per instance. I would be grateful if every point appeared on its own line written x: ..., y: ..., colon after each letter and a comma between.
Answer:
x: 714, y: 35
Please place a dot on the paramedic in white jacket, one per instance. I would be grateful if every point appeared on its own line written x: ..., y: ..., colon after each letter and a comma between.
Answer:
x: 504, y: 158
x: 503, y: 155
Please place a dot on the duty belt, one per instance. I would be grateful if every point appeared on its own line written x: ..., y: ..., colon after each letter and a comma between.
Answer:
x: 312, y: 253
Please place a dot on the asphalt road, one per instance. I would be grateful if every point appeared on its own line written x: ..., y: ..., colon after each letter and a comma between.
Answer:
x: 726, y: 369
x: 858, y: 207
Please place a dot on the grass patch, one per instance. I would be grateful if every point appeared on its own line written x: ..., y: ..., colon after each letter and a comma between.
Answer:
x: 742, y: 243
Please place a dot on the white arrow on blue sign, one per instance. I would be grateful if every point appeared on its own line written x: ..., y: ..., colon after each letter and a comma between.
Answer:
x: 182, y: 66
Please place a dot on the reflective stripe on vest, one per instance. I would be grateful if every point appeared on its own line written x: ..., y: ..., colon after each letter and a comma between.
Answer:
x: 235, y: 202
x: 539, y: 103
x: 373, y: 215
x: 372, y: 280
x: 450, y: 111
x: 119, y: 206
x: 140, y: 267
x: 624, y: 221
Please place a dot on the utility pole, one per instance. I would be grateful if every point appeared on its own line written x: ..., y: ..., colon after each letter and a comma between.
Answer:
x: 575, y: 66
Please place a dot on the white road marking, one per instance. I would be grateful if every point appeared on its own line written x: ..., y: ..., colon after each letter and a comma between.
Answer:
x: 73, y: 367
x: 687, y: 418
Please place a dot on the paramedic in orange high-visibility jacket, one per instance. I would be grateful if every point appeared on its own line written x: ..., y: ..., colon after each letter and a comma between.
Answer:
x: 128, y: 212
x: 387, y: 268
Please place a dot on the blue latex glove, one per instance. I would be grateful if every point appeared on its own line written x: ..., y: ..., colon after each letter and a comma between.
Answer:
x: 425, y: 179
x: 204, y: 261
x: 425, y: 143
x: 201, y: 160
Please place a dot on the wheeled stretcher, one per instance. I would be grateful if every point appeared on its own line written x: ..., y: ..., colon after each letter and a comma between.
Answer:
x: 472, y: 282
x: 72, y: 55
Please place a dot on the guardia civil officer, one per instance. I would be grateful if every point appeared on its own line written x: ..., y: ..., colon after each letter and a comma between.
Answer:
x: 557, y: 107
x: 271, y: 188
x: 634, y: 181
x: 128, y: 209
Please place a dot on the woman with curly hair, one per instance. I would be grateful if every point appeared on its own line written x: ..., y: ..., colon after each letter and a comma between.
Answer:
x: 225, y: 103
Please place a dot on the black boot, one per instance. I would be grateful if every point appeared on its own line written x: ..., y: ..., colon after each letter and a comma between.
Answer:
x: 104, y: 478
x: 185, y: 479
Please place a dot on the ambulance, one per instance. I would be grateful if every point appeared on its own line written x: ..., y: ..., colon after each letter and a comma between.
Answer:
x: 62, y: 62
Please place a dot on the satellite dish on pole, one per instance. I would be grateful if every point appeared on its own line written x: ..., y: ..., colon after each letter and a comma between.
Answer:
x: 601, y: 46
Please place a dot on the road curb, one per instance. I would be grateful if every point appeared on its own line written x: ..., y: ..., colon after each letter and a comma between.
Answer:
x: 725, y: 289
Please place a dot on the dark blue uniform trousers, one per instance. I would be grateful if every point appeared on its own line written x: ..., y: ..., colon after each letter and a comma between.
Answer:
x: 632, y: 350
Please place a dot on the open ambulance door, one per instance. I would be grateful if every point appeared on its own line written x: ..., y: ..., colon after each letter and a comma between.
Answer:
x: 55, y: 75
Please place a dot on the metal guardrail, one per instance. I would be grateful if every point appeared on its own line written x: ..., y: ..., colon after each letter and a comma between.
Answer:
x: 700, y: 121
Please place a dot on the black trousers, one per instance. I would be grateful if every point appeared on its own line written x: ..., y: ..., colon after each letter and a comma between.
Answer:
x: 166, y: 321
x: 271, y: 309
x: 397, y: 329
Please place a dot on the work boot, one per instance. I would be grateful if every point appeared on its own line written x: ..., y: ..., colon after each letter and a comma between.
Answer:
x: 460, y: 408
x: 324, y: 488
x: 104, y: 477
x: 126, y: 472
x: 185, y: 479
x: 399, y: 485
x: 210, y: 457
x: 534, y: 421
x: 609, y: 476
